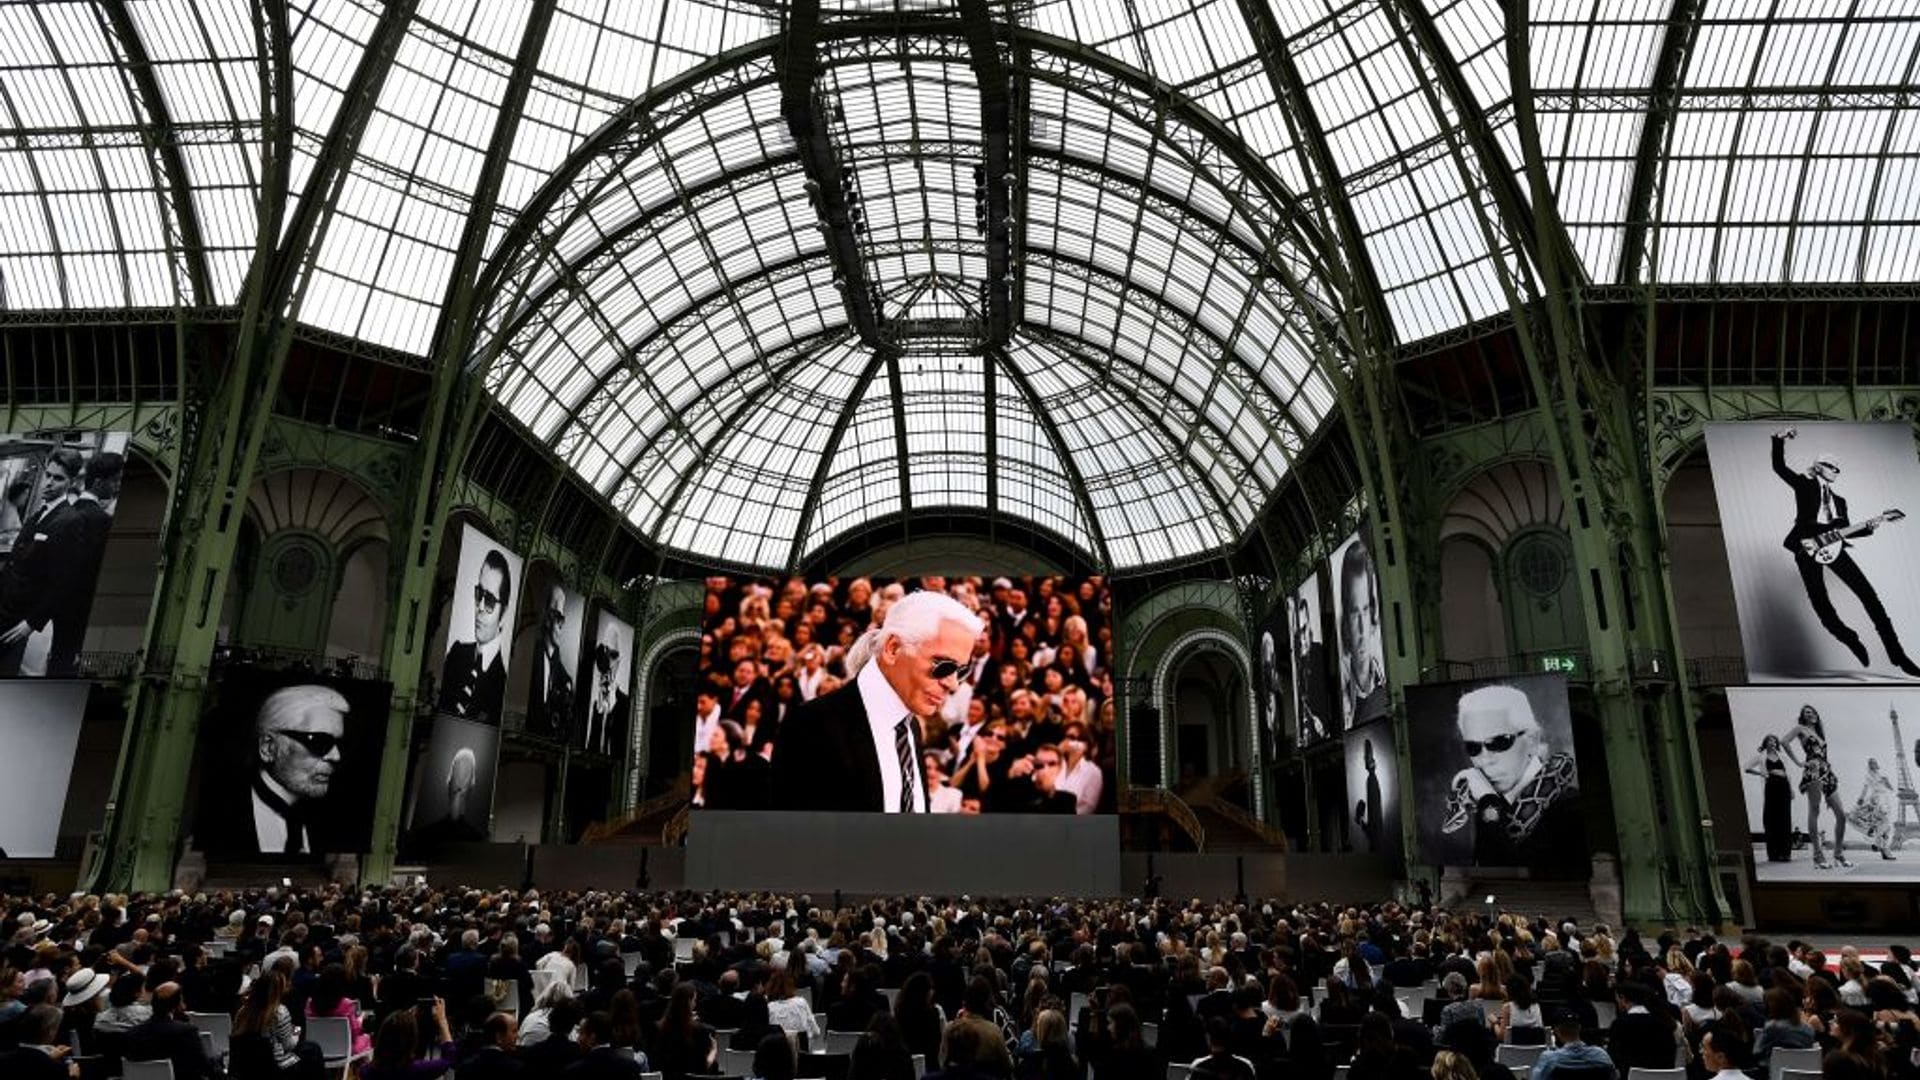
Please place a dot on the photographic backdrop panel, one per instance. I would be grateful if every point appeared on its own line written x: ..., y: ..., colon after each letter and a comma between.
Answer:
x: 1359, y: 649
x: 1497, y: 783
x: 1373, y: 789
x: 60, y: 493
x: 1273, y: 685
x: 606, y: 705
x: 39, y: 731
x: 1312, y: 702
x: 486, y: 594
x: 453, y: 785
x: 1811, y: 755
x: 290, y: 763
x: 553, y: 685
x: 1851, y: 612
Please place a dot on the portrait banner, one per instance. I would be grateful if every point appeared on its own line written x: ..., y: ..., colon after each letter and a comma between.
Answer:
x: 486, y: 594
x: 1827, y: 772
x: 1497, y: 783
x: 606, y: 709
x: 453, y: 786
x: 290, y: 764
x: 1373, y: 789
x: 1815, y: 517
x: 39, y: 731
x: 1361, y: 653
x: 553, y: 685
x: 1273, y: 681
x: 1312, y: 702
x: 60, y: 496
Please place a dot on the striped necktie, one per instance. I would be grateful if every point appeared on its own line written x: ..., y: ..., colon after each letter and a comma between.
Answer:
x: 903, y: 743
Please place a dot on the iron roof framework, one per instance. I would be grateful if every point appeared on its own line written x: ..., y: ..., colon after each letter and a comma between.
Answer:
x: 762, y: 274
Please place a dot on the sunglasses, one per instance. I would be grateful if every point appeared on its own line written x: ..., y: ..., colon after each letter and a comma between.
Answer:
x: 944, y: 669
x: 1499, y: 744
x: 485, y: 599
x: 317, y: 743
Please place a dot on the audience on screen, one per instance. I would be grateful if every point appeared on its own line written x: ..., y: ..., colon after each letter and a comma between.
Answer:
x: 697, y: 986
x: 1038, y: 672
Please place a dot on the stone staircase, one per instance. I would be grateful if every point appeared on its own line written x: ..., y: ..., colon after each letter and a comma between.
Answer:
x: 1557, y: 900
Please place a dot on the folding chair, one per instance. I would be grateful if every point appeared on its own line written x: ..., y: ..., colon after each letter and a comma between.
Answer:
x: 1781, y: 1060
x: 840, y: 1042
x: 1638, y: 1073
x: 1178, y: 1072
x: 334, y: 1036
x: 1518, y: 1058
x: 146, y: 1070
x: 219, y: 1026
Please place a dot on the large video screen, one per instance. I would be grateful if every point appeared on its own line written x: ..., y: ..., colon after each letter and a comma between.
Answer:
x: 1814, y: 516
x: 290, y: 763
x: 1497, y: 783
x: 60, y: 495
x: 803, y: 704
x: 1828, y: 777
x: 40, y: 729
x: 453, y: 784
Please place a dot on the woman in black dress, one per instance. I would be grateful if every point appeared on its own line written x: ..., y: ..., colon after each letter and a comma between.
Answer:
x: 1776, y: 813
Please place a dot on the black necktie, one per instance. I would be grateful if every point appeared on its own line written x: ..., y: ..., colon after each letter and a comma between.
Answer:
x: 296, y: 826
x: 903, y: 743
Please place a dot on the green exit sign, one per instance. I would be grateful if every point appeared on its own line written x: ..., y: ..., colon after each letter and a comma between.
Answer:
x: 1560, y: 664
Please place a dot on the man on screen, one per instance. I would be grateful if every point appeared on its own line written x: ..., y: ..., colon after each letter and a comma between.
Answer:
x: 298, y: 738
x: 33, y: 581
x: 1310, y: 667
x: 474, y: 678
x: 550, y: 693
x: 606, y: 715
x: 858, y: 748
x: 1517, y: 795
x: 1363, y: 678
x: 81, y: 537
x: 1819, y: 542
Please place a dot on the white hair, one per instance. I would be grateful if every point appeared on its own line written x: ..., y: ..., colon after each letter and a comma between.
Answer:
x: 1501, y: 699
x: 913, y: 618
x: 284, y: 704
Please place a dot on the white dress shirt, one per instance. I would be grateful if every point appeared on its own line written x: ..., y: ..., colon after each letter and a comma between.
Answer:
x: 1085, y: 781
x: 269, y: 827
x: 885, y: 710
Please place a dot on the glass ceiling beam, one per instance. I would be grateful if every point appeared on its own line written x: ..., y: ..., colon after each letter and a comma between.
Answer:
x: 998, y: 177
x: 1656, y: 133
x: 162, y: 145
x: 1076, y: 481
x: 824, y: 469
x: 899, y: 396
x: 801, y: 104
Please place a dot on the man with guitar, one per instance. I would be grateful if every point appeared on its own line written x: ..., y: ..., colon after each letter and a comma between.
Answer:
x: 1819, y: 542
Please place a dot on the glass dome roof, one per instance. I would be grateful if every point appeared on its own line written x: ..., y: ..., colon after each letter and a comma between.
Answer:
x: 1071, y: 262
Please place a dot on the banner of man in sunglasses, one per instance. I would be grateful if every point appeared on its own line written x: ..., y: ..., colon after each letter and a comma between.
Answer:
x: 1497, y: 783
x: 1004, y: 707
x: 290, y: 764
x: 480, y: 622
x: 604, y: 705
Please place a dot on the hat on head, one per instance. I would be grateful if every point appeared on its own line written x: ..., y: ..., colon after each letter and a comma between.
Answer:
x: 266, y: 920
x: 40, y: 928
x: 1827, y: 460
x: 85, y: 985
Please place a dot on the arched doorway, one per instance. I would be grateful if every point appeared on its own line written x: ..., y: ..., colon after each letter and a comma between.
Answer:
x: 1210, y: 751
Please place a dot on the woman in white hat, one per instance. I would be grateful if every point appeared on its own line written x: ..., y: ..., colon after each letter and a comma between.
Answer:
x: 86, y: 995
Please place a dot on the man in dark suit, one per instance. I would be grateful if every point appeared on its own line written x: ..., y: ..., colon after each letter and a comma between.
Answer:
x: 550, y: 690
x: 606, y: 713
x: 299, y: 734
x: 168, y: 1037
x: 1817, y: 510
x: 858, y: 748
x: 80, y: 539
x: 746, y: 686
x: 499, y: 1055
x: 552, y: 1055
x: 473, y: 681
x: 1310, y: 704
x: 1637, y: 1037
x: 600, y: 1060
x: 35, y: 572
x: 38, y: 1057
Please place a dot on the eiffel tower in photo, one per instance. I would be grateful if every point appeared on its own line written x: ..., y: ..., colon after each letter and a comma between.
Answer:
x: 1907, y: 823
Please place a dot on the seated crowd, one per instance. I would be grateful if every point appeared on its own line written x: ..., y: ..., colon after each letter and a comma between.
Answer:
x: 418, y: 983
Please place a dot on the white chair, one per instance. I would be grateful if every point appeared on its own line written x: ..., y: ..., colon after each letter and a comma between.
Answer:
x: 820, y: 1020
x: 1782, y: 1059
x: 1518, y: 1058
x: 840, y: 1042
x: 335, y: 1038
x: 1604, y: 1013
x: 146, y: 1070
x: 652, y: 1076
x: 1639, y: 1073
x: 218, y: 1027
x: 736, y: 1062
x: 892, y: 994
x: 543, y: 978
x: 1340, y: 1072
x: 509, y: 999
x: 682, y: 949
x: 1150, y: 1034
x: 1178, y: 1072
x: 805, y: 994
x: 919, y: 1066
x: 623, y: 1052
x: 1076, y: 1004
x: 1797, y: 1074
x: 631, y: 962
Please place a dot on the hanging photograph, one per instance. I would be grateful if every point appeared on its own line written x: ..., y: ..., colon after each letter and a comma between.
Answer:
x: 39, y: 729
x: 1312, y: 704
x: 1273, y: 685
x: 1362, y: 655
x: 290, y: 763
x: 605, y: 705
x: 1814, y: 517
x: 1497, y: 783
x: 1828, y: 777
x: 553, y: 686
x: 61, y: 492
x: 486, y: 593
x: 453, y: 786
x: 1373, y: 790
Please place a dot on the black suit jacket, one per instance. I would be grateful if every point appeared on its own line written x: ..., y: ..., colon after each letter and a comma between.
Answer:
x: 225, y: 824
x: 174, y: 1041
x: 549, y: 697
x: 491, y: 1063
x: 30, y: 577
x: 1637, y: 1039
x: 26, y: 1063
x: 824, y: 759
x: 489, y: 696
x: 1806, y: 502
x: 79, y: 540
x: 600, y: 1063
